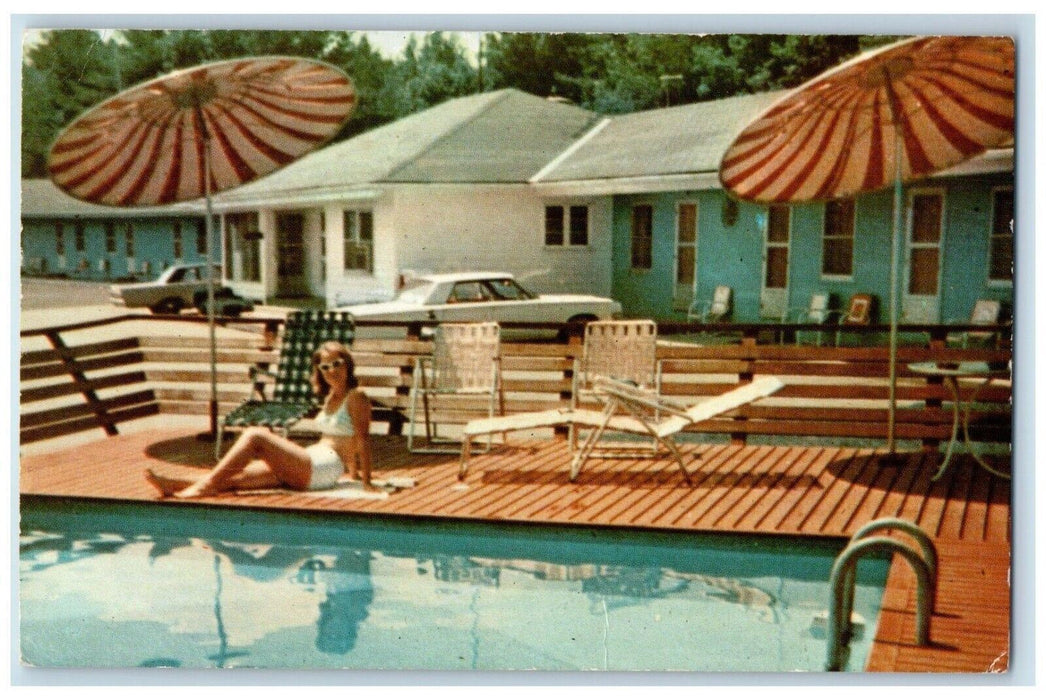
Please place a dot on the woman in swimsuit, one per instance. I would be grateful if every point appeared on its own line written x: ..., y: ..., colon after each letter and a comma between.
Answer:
x: 260, y: 459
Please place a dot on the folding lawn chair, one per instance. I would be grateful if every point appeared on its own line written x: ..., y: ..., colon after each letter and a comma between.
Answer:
x: 622, y: 350
x: 642, y: 405
x: 465, y: 362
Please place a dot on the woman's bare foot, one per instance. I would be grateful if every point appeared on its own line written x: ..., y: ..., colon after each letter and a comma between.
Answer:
x: 166, y: 485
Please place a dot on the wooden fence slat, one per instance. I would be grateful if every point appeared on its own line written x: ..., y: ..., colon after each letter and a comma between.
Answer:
x: 57, y: 415
x: 54, y: 430
x: 83, y: 365
x: 52, y: 391
x: 33, y: 357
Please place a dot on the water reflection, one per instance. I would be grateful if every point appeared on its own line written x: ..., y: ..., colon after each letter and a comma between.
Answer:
x: 217, y: 602
x: 224, y: 653
x: 41, y: 550
x: 615, y: 585
x: 349, y: 593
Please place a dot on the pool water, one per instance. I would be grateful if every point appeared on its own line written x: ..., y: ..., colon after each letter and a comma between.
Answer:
x: 128, y: 585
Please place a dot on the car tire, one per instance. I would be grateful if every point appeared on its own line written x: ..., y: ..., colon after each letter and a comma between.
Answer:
x: 564, y: 336
x: 171, y: 305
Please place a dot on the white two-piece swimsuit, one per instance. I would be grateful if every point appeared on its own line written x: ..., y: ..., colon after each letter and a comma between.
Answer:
x: 327, y: 466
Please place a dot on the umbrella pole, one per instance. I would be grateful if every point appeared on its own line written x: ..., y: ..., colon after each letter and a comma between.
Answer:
x: 891, y: 421
x: 212, y: 434
x: 210, y: 319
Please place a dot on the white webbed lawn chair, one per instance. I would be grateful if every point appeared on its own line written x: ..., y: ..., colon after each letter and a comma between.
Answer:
x: 713, y: 310
x: 465, y: 362
x: 641, y: 405
x: 621, y: 350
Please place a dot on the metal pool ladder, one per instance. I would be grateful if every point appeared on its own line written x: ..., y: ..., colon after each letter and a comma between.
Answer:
x: 844, y: 578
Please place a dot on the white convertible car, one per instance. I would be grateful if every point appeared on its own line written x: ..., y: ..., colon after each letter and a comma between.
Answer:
x: 482, y: 296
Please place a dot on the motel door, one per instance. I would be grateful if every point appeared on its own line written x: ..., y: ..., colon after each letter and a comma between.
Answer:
x: 922, y: 284
x: 290, y: 254
x: 773, y: 298
x: 686, y: 255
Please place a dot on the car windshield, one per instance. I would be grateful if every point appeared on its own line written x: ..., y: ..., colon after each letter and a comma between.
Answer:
x: 415, y: 292
x: 509, y: 289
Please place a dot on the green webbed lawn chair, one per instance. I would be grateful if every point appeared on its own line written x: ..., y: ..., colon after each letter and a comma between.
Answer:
x: 292, y: 396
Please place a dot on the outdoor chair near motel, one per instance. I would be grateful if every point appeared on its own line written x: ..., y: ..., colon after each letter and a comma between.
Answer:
x: 292, y: 394
x: 986, y: 312
x: 465, y: 366
x: 622, y: 350
x: 818, y: 311
x: 712, y: 310
x: 626, y: 408
x: 859, y: 312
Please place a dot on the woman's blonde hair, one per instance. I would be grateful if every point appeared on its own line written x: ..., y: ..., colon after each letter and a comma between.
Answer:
x: 320, y: 385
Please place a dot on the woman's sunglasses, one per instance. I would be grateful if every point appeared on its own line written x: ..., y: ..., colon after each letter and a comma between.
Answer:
x: 328, y: 366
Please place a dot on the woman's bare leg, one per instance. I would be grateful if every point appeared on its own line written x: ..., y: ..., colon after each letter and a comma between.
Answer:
x: 287, y: 461
x: 254, y: 476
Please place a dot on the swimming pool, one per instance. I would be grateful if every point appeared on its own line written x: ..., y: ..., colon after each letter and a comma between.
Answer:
x: 120, y: 585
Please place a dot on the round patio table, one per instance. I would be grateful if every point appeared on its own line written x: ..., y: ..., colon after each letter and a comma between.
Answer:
x: 951, y: 373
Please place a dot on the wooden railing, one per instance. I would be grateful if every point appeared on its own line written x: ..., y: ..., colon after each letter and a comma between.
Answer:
x: 830, y: 391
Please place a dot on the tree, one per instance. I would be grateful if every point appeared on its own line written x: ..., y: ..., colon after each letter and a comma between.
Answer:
x: 544, y: 64
x: 431, y: 73
x: 62, y: 76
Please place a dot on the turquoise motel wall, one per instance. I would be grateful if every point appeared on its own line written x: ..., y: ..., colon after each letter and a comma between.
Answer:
x: 153, y: 242
x: 733, y: 254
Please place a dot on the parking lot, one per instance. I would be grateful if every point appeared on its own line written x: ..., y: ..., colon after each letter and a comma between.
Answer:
x: 55, y: 293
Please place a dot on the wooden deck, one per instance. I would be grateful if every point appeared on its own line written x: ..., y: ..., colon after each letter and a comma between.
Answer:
x: 779, y: 490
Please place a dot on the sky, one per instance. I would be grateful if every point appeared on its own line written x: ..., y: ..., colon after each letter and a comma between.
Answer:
x: 389, y: 43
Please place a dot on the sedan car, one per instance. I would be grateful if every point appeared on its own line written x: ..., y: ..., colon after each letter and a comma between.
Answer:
x: 178, y: 287
x: 482, y: 296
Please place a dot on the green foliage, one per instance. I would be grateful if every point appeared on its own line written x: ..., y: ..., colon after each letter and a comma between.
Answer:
x: 71, y: 70
x: 431, y: 73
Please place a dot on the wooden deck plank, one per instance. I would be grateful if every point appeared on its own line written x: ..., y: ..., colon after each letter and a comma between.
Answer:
x: 800, y: 468
x: 817, y: 491
x: 750, y: 487
x: 650, y: 487
x: 679, y: 501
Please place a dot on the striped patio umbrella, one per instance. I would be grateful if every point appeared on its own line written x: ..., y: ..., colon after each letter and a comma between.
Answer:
x: 885, y: 118
x: 198, y: 131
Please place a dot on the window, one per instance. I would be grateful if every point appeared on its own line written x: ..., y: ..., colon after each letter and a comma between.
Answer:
x: 778, y: 227
x: 177, y: 238
x: 359, y: 240
x: 924, y: 246
x: 838, y: 251
x: 1000, y: 265
x: 553, y: 225
x: 465, y: 292
x: 59, y: 238
x: 509, y: 289
x: 128, y: 232
x: 578, y: 225
x: 566, y: 225
x: 201, y: 236
x: 78, y: 236
x: 642, y: 236
x: 110, y: 237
